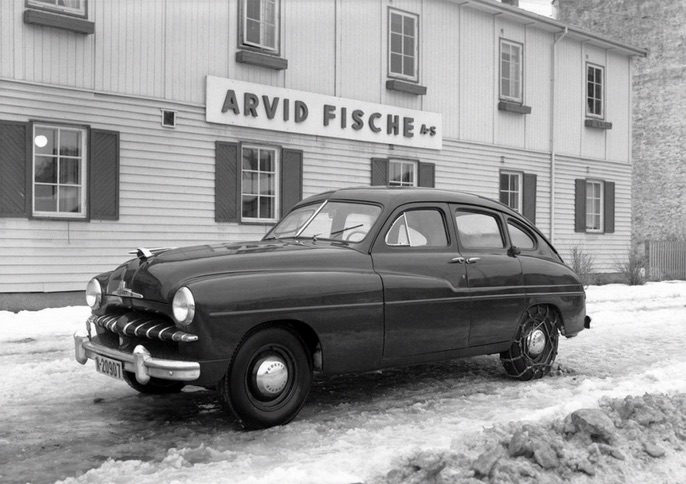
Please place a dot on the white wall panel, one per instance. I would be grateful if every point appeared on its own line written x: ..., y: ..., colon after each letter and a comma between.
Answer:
x: 569, y: 94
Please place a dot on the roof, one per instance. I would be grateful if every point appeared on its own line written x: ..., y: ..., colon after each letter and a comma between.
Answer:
x: 394, y: 196
x: 519, y: 15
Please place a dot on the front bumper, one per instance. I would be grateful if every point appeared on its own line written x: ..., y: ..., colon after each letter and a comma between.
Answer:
x: 140, y: 362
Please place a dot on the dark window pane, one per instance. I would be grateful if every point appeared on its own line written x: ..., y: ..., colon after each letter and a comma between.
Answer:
x: 408, y: 46
x: 249, y: 159
x: 70, y: 199
x: 44, y: 142
x: 396, y: 63
x: 408, y: 26
x: 70, y: 143
x: 267, y: 184
x: 267, y: 207
x: 396, y: 23
x: 253, y: 9
x: 70, y: 171
x: 46, y: 198
x: 252, y: 33
x: 396, y: 43
x: 250, y: 183
x: 267, y: 160
x: 250, y: 206
x: 409, y: 66
x: 46, y: 169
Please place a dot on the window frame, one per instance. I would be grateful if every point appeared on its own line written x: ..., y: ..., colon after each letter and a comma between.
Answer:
x: 81, y: 12
x: 600, y: 198
x: 415, y: 172
x: 520, y: 192
x: 519, y: 98
x: 83, y: 214
x: 260, y: 46
x: 415, y: 55
x: 590, y: 97
x: 276, y: 176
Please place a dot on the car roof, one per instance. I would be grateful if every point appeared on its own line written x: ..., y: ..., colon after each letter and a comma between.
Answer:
x: 395, y: 196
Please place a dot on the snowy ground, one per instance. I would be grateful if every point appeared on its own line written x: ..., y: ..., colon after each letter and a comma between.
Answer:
x: 462, y: 421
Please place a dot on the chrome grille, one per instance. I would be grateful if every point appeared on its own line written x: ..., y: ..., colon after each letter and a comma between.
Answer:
x: 142, y: 325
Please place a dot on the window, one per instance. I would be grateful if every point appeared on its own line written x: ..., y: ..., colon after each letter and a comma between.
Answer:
x: 418, y: 228
x: 402, y: 45
x: 69, y: 7
x: 479, y: 230
x: 594, y: 91
x: 511, y: 190
x: 510, y: 71
x: 59, y: 171
x: 594, y: 206
x: 520, y: 238
x: 402, y: 173
x: 259, y: 187
x: 260, y: 24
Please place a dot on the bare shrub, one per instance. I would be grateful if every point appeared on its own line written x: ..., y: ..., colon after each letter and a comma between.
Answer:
x: 632, y: 269
x: 582, y: 263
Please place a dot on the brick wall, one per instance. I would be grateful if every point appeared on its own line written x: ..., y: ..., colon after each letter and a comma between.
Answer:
x: 659, y: 100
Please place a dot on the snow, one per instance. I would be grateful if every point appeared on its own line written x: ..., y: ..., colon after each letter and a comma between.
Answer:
x: 455, y: 421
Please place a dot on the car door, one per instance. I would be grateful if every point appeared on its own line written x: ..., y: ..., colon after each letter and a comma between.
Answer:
x: 426, y: 298
x: 494, y: 275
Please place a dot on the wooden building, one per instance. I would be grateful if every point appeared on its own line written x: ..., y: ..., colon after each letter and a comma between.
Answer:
x: 147, y: 123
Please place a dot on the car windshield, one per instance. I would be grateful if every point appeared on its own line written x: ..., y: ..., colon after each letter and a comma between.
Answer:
x: 345, y: 221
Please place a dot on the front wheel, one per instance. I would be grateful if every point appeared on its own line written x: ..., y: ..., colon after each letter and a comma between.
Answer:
x: 269, y: 378
x: 534, y: 349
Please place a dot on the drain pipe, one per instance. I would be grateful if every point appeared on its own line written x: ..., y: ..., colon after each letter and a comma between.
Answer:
x: 558, y: 37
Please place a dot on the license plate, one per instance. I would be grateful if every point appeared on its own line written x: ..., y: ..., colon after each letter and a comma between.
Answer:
x: 109, y: 367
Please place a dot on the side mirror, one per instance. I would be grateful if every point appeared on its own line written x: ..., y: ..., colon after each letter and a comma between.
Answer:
x: 514, y: 251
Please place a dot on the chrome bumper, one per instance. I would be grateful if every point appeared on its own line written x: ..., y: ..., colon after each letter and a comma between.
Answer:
x: 140, y: 362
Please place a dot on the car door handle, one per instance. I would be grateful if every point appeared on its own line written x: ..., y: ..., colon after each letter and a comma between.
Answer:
x: 457, y: 260
x: 473, y: 260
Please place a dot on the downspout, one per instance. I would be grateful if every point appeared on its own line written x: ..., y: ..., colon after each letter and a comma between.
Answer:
x: 558, y: 37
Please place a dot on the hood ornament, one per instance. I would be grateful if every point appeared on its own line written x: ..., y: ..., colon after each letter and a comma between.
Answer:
x: 124, y: 292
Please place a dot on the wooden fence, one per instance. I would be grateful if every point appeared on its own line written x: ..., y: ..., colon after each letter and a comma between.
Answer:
x: 665, y: 259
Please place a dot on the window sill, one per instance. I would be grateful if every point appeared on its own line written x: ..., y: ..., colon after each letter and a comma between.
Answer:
x: 261, y: 60
x: 48, y: 19
x: 597, y: 124
x: 511, y: 107
x: 404, y: 86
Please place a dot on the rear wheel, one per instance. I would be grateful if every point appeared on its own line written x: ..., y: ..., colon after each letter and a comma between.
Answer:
x: 156, y: 386
x: 269, y: 378
x: 534, y: 349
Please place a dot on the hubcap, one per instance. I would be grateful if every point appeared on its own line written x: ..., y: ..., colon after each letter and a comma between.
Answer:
x: 271, y: 376
x: 536, y: 342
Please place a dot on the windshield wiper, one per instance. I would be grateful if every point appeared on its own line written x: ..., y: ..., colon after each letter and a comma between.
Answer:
x: 337, y: 232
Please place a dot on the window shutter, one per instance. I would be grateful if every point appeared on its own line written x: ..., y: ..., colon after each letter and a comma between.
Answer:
x: 529, y: 197
x: 291, y: 179
x: 14, y: 148
x: 103, y: 188
x: 226, y: 183
x: 609, y: 206
x: 427, y: 175
x: 580, y: 205
x: 379, y: 171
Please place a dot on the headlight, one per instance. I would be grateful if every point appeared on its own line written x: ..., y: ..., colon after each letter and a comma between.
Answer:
x: 183, y: 306
x: 93, y: 294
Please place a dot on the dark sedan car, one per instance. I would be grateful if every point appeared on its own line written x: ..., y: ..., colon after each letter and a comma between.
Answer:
x: 349, y: 281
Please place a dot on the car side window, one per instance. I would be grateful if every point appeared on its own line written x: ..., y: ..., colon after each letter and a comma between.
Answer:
x: 520, y: 238
x: 418, y: 228
x: 478, y: 230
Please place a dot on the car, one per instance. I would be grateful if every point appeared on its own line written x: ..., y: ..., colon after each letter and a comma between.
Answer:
x: 350, y: 280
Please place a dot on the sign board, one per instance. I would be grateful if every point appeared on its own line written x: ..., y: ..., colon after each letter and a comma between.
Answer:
x: 249, y: 105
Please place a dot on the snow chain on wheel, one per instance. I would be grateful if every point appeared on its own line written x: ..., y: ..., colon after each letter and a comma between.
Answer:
x: 534, y: 349
x: 268, y: 379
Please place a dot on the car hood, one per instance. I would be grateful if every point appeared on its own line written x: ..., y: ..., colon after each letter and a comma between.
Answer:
x: 157, y: 278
